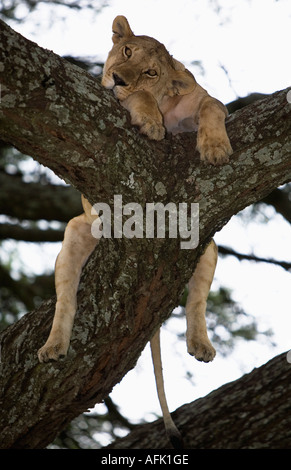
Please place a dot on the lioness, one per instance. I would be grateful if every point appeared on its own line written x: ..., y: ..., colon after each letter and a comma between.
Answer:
x: 160, y: 95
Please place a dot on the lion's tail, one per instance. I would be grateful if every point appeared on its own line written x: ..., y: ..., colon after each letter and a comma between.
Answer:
x: 171, y: 429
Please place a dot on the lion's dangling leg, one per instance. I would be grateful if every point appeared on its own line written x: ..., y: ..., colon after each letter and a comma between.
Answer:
x: 171, y: 430
x: 78, y: 244
x: 198, y: 343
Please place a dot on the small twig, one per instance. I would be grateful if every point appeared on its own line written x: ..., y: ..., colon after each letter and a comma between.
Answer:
x: 228, y: 251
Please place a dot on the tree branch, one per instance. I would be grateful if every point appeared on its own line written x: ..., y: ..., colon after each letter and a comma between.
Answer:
x: 34, y: 234
x: 35, y: 201
x: 61, y: 116
x: 224, y: 251
x: 82, y: 132
x: 280, y: 200
x: 253, y: 412
x: 24, y: 289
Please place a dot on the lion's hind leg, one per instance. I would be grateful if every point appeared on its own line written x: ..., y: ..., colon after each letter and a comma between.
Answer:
x: 198, y: 343
x: 78, y: 244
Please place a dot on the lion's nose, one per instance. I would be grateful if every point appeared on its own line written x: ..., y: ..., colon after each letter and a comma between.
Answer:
x: 118, y: 81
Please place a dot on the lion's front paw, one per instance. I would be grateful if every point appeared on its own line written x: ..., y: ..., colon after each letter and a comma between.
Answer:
x: 153, y: 130
x: 202, y: 349
x: 53, y: 350
x: 214, y: 148
x: 150, y: 127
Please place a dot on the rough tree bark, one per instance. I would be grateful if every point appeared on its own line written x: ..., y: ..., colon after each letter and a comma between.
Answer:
x: 253, y: 412
x: 61, y: 116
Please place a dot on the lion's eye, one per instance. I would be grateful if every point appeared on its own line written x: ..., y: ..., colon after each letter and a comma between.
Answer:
x: 151, y: 73
x: 127, y: 51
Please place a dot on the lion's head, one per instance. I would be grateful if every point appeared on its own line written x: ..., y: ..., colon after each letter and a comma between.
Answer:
x: 142, y: 63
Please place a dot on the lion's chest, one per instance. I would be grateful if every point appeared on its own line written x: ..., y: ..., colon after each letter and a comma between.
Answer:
x: 179, y: 116
x: 177, y: 126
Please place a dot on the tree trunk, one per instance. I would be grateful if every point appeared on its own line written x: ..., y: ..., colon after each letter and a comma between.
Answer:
x: 61, y: 116
x: 253, y: 412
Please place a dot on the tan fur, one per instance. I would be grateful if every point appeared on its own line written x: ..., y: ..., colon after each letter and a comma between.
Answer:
x: 198, y: 344
x: 160, y: 95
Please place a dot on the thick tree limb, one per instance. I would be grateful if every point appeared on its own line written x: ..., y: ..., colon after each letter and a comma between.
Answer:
x: 99, y: 137
x: 253, y: 412
x: 61, y: 116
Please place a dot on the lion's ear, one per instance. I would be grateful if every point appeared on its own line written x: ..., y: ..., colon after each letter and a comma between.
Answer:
x: 182, y: 83
x: 178, y: 65
x: 121, y: 29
